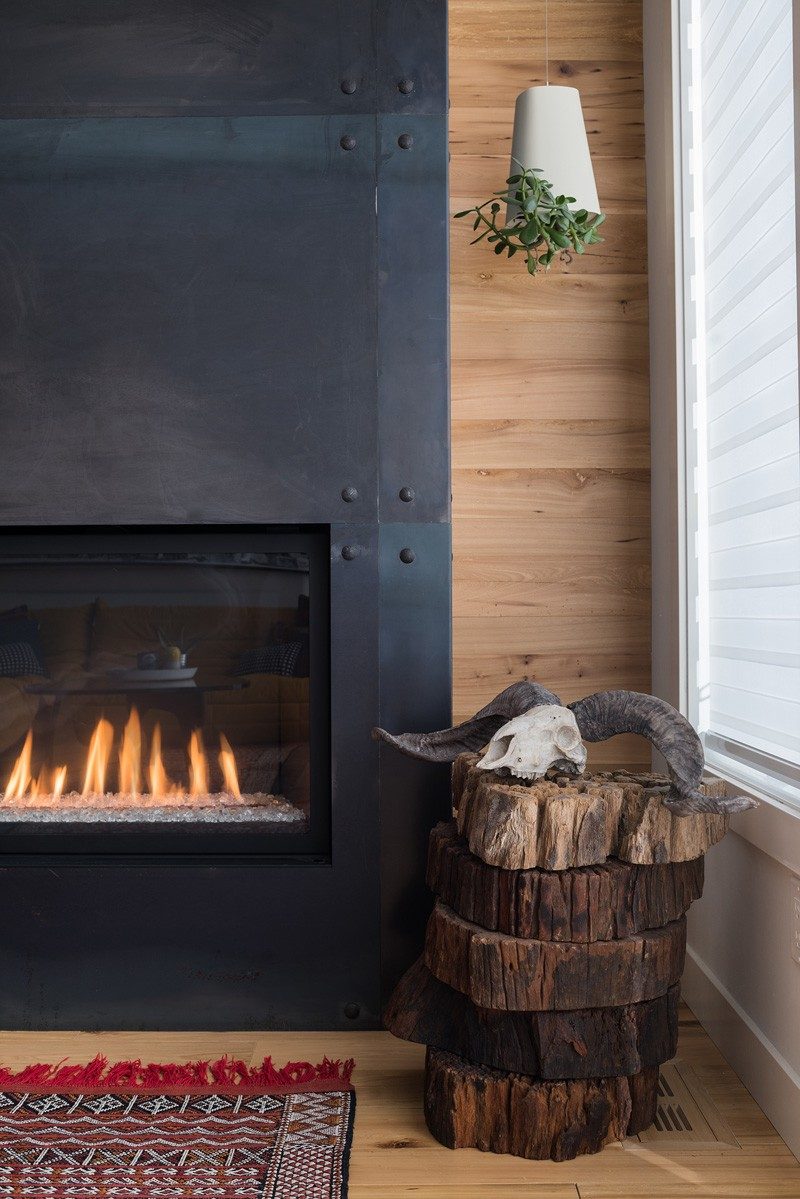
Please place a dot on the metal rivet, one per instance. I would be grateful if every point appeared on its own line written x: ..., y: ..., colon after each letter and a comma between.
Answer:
x: 407, y: 555
x: 348, y: 86
x: 349, y: 495
x: 352, y: 1011
x: 348, y: 142
x: 349, y: 552
x: 406, y: 86
x: 405, y: 141
x: 406, y: 494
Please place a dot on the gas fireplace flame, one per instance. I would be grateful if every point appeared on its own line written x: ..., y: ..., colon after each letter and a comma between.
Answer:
x: 134, y: 767
x: 17, y: 784
x: 159, y: 782
x: 100, y: 746
x: 228, y: 766
x: 130, y: 756
x: 59, y: 781
x: 198, y: 766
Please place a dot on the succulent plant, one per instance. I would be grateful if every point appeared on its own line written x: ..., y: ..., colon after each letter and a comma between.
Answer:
x: 179, y: 642
x: 540, y: 224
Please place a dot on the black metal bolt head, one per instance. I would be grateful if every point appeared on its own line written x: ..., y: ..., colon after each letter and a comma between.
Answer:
x: 349, y: 495
x: 349, y: 552
x: 406, y: 86
x: 348, y: 86
x: 352, y: 1011
x: 348, y: 142
x: 405, y: 141
x: 407, y: 556
x: 406, y: 494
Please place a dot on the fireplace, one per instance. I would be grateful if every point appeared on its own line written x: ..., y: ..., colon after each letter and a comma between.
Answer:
x: 223, y: 416
x: 170, y: 690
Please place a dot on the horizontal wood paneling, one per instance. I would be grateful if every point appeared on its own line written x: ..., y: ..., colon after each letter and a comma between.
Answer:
x: 550, y: 399
x: 543, y: 443
x: 481, y: 385
x: 604, y: 30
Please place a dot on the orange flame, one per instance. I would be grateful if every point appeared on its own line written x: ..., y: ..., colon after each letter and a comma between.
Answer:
x: 20, y: 776
x: 97, y: 759
x: 228, y: 764
x: 130, y: 756
x: 198, y: 766
x: 59, y: 781
x: 39, y: 785
x: 22, y: 784
x: 51, y: 783
x: 159, y: 783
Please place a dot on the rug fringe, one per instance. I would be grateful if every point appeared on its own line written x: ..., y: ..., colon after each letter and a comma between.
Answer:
x: 226, y: 1073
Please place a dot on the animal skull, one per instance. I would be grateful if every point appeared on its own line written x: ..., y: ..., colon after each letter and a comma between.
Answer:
x: 530, y: 744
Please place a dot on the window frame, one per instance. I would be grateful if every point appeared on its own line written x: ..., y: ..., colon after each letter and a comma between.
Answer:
x: 760, y: 774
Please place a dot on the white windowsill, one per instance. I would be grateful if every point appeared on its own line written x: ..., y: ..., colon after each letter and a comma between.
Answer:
x: 773, y: 827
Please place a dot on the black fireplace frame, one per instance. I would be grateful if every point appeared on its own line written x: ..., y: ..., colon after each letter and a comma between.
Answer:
x: 215, y: 940
x: 336, y: 415
x: 217, y: 842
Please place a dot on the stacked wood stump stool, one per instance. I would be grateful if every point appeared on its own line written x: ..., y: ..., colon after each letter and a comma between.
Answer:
x: 547, y: 993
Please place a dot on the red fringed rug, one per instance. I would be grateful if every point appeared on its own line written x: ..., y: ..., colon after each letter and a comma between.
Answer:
x: 220, y: 1130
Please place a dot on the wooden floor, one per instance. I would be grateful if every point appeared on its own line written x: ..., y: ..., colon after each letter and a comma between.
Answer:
x: 733, y: 1151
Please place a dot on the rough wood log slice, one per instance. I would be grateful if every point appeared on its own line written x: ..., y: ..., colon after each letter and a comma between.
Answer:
x: 515, y: 974
x: 563, y: 822
x: 593, y: 1043
x: 587, y: 903
x: 469, y: 1106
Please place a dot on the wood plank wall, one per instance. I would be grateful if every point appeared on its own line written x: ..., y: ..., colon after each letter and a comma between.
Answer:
x: 551, y: 496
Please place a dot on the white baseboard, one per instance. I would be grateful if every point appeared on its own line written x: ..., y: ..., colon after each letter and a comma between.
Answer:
x: 769, y: 1078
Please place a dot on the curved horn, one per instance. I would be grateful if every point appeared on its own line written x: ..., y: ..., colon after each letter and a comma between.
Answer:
x: 472, y: 735
x: 607, y: 713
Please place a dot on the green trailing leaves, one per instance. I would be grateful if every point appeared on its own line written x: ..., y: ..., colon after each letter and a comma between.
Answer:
x: 539, y: 223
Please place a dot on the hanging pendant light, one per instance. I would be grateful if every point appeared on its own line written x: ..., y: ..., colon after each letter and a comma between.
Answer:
x: 552, y: 209
x: 550, y: 134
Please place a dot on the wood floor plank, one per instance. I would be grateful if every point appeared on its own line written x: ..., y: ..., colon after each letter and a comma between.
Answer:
x: 733, y: 1186
x: 19, y: 1049
x: 444, y: 1190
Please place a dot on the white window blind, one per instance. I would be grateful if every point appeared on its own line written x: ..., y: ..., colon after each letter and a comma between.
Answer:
x: 743, y: 433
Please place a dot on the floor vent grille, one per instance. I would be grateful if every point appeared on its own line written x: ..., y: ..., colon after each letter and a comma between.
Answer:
x: 686, y: 1113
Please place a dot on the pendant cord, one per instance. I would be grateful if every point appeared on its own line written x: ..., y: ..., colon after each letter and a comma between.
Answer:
x: 546, y: 45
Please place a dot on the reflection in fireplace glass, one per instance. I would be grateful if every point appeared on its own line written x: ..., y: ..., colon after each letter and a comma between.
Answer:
x: 168, y: 687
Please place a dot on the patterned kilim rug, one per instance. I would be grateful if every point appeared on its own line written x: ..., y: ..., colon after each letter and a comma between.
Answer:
x: 218, y: 1130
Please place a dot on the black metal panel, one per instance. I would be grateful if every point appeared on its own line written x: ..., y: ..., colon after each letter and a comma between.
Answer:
x: 188, y: 320
x: 189, y: 333
x: 164, y: 57
x: 185, y: 946
x: 412, y: 55
x: 413, y: 319
x: 415, y: 694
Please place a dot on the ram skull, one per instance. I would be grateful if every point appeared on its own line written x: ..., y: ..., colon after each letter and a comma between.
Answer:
x: 597, y: 717
x: 530, y: 744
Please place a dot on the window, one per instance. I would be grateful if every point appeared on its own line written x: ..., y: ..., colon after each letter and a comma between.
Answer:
x: 742, y: 484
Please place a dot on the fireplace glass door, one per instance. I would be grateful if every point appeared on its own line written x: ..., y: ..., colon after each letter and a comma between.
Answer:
x: 164, y: 691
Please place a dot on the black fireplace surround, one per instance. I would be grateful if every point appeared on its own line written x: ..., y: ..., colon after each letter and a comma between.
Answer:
x: 223, y: 342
